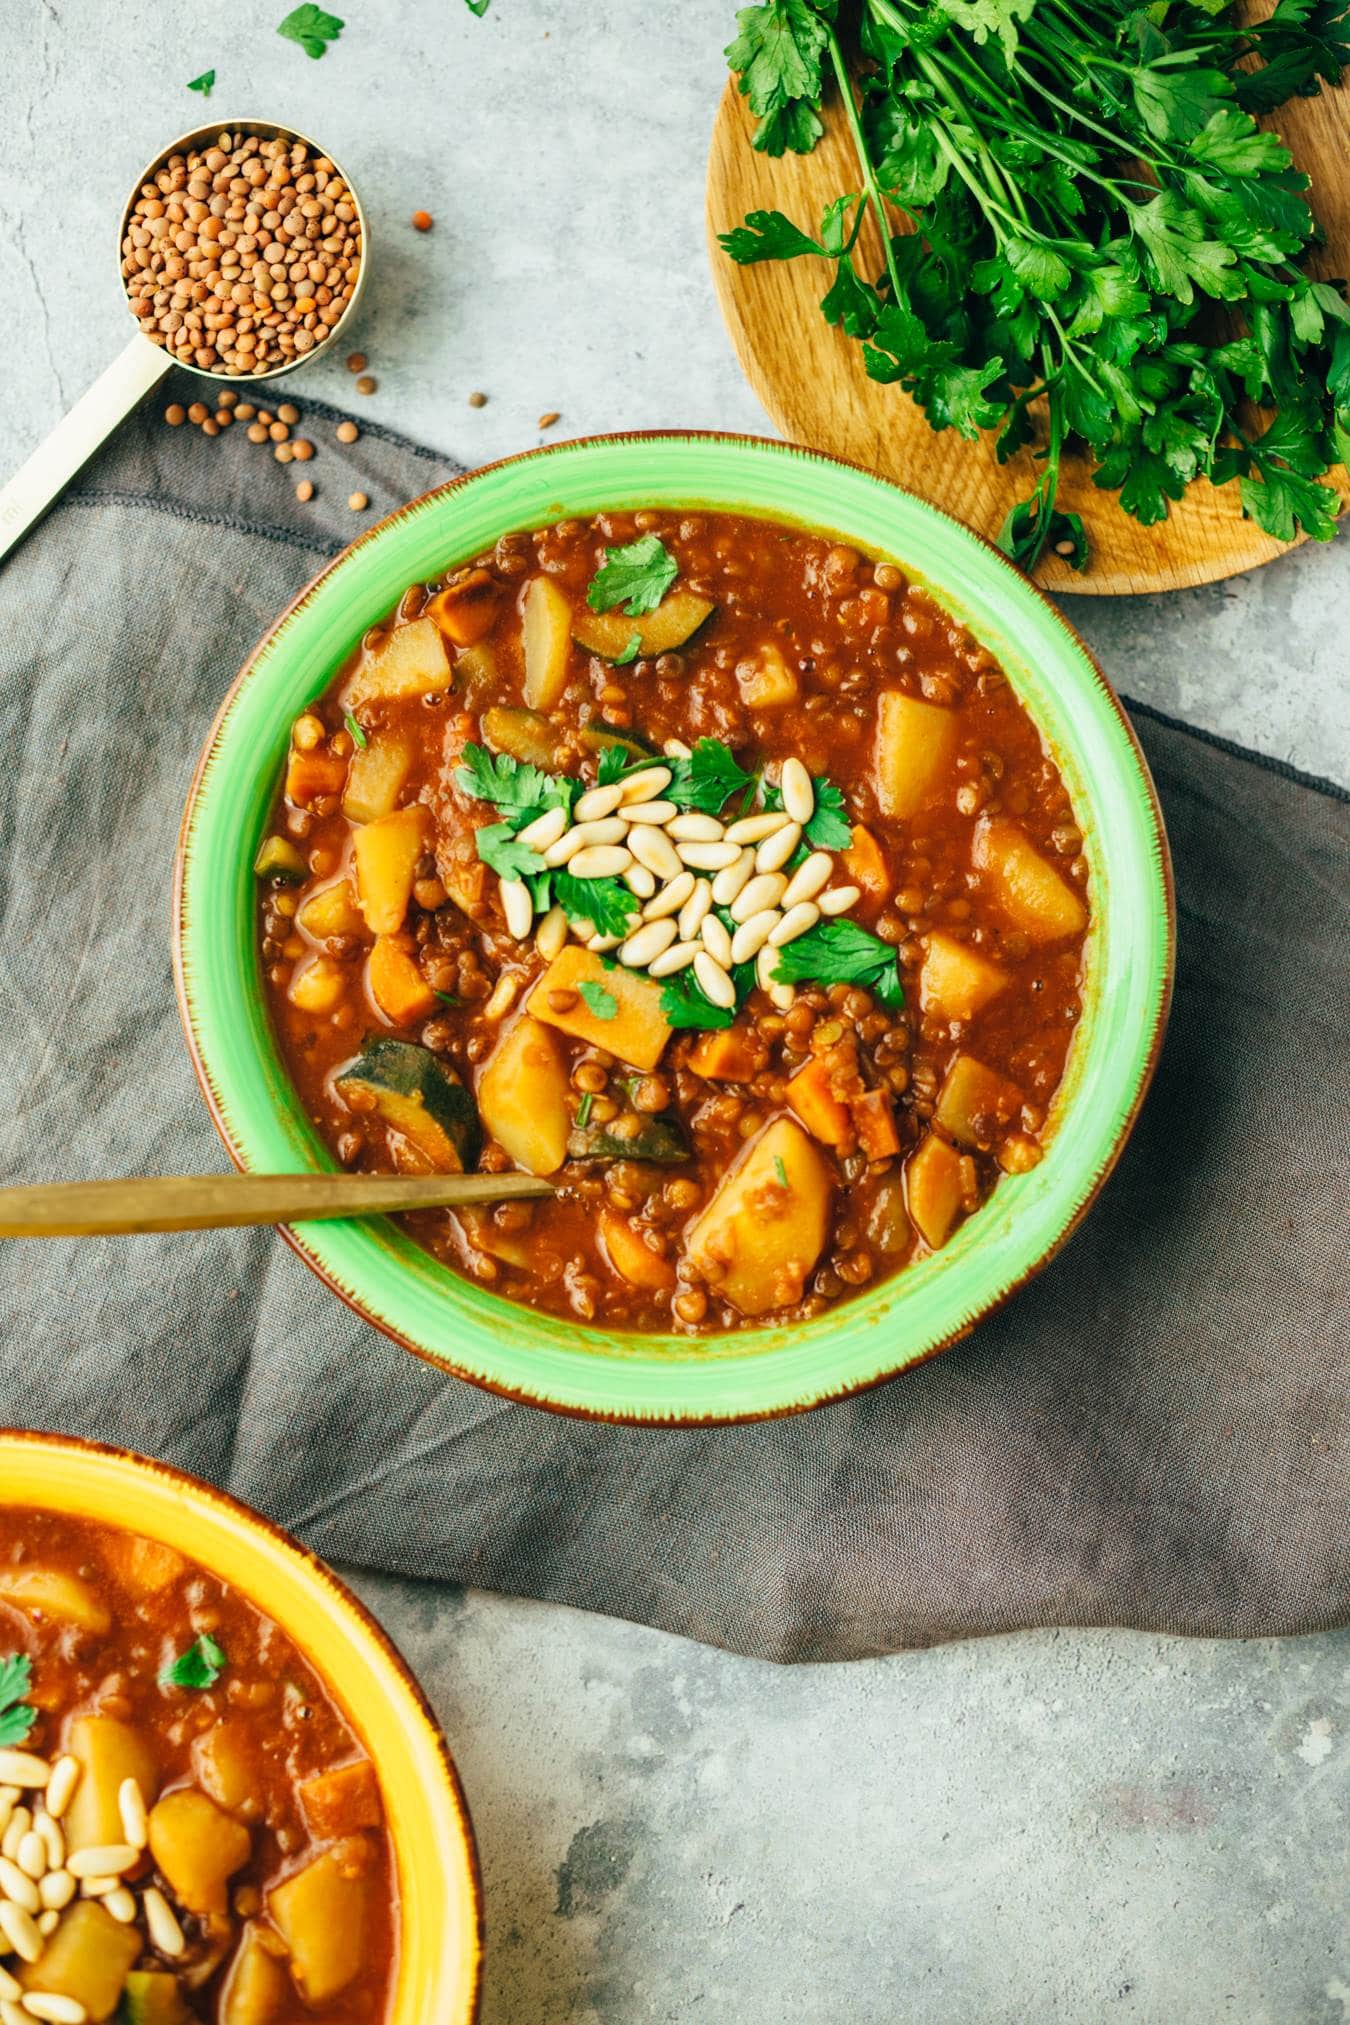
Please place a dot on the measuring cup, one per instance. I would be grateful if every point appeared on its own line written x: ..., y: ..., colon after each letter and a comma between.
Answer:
x: 143, y: 364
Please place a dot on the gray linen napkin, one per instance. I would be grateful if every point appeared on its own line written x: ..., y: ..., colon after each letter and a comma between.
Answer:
x: 1155, y: 1433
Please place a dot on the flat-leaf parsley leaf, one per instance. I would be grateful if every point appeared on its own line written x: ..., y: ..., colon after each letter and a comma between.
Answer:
x: 203, y: 83
x: 16, y: 1677
x: 636, y: 576
x: 501, y: 850
x: 840, y: 952
x: 601, y: 1002
x: 198, y: 1667
x: 606, y: 903
x: 311, y: 28
x: 519, y: 790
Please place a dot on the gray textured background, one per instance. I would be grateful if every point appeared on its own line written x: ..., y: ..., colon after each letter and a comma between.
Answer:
x: 1052, y: 1827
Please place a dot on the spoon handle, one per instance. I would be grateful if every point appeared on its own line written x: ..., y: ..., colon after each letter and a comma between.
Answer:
x: 216, y: 1201
x: 138, y: 367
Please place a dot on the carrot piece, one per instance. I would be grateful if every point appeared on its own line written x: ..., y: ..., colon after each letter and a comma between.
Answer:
x: 812, y: 1098
x: 342, y: 1801
x: 396, y: 984
x: 631, y: 1256
x: 728, y: 1055
x: 874, y: 1119
x: 464, y: 611
x: 865, y: 865
x: 311, y: 774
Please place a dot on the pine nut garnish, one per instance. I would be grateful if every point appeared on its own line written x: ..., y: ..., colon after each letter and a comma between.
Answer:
x: 608, y: 830
x: 653, y: 848
x: 551, y: 934
x: 839, y: 899
x: 13, y: 2013
x: 640, y: 787
x: 31, y: 1854
x: 799, y: 795
x: 649, y: 941
x: 54, y: 2009
x: 17, y: 1885
x: 20, y: 1821
x: 566, y: 847
x: 754, y: 829
x: 713, y: 981
x: 505, y: 992
x: 695, y: 828
x: 517, y: 906
x: 597, y: 802
x: 56, y: 1890
x: 544, y: 830
x: 20, y: 1930
x: 809, y: 877
x: 600, y: 861
x: 677, y: 957
x: 165, y: 1932
x: 777, y: 849
x: 659, y: 813
x: 53, y: 1841
x: 794, y: 923
x: 640, y: 881
x: 709, y: 857
x: 61, y: 1786
x: 10, y: 1986
x: 48, y: 1922
x: 600, y: 943
x: 675, y: 748
x: 729, y: 881
x: 105, y: 1859
x: 765, y: 890
x: 99, y: 1887
x: 716, y: 941
x: 671, y: 898
x: 695, y: 910
x: 23, y: 1768
x: 7, y: 1802
x: 751, y: 936
x: 121, y: 1905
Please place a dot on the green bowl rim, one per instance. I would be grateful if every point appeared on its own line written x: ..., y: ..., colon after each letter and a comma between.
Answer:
x: 655, y: 1414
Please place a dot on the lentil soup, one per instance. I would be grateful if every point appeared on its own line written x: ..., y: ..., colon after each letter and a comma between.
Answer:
x: 189, y: 1829
x: 704, y: 865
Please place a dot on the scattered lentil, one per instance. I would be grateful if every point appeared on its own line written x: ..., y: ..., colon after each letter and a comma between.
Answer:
x: 366, y: 384
x: 304, y: 491
x: 347, y: 432
x: 357, y: 501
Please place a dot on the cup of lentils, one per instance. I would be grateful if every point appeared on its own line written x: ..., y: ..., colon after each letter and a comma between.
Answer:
x: 243, y: 250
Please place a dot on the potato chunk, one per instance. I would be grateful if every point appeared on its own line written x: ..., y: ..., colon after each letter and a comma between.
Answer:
x: 614, y: 1009
x: 376, y: 772
x: 522, y: 1096
x: 386, y: 853
x: 330, y: 911
x: 323, y: 1913
x: 87, y: 1958
x: 56, y: 1596
x: 257, y: 1986
x: 933, y: 1190
x: 956, y: 982
x: 198, y: 1847
x: 411, y: 661
x: 765, y: 1226
x: 631, y: 1256
x: 546, y: 631
x: 975, y: 1102
x: 765, y: 680
x: 226, y: 1766
x: 1026, y: 885
x: 916, y: 743
x: 109, y: 1751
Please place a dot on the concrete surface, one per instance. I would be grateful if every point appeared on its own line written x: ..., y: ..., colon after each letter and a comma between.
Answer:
x: 1063, y: 1827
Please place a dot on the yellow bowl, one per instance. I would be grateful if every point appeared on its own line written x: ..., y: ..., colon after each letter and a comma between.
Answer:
x: 440, y: 1942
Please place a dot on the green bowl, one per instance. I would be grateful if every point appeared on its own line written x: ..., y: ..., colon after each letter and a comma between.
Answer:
x: 512, y: 1349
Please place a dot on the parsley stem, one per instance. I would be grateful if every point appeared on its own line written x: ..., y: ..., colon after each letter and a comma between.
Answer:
x: 869, y: 177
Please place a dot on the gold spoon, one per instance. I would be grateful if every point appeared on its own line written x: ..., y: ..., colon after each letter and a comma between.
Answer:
x: 142, y: 364
x: 218, y: 1201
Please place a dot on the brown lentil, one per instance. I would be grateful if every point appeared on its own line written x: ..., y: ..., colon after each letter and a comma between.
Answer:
x: 366, y: 384
x: 357, y: 501
x: 346, y: 432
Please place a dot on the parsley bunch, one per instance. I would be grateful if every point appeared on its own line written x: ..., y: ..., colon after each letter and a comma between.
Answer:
x: 1105, y: 246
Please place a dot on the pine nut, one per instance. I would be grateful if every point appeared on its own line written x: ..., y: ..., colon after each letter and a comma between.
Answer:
x: 53, y: 1841
x: 597, y: 802
x: 105, y: 1859
x: 640, y: 881
x: 794, y: 923
x: 23, y: 1768
x: 799, y: 795
x: 600, y: 943
x: 8, y: 1797
x: 777, y: 849
x: 98, y: 1887
x: 765, y: 890
x: 809, y: 877
x: 675, y: 748
x: 10, y: 1986
x: 783, y: 996
x: 56, y: 1890
x: 659, y: 813
x: 20, y: 1821
x: 48, y: 1922
x: 671, y: 898
x: 695, y: 910
x: 609, y: 830
x: 505, y: 992
x: 649, y: 941
x: 54, y: 2009
x: 653, y: 848
x: 754, y: 829
x: 551, y: 933
x: 544, y: 830
x: 839, y: 899
x: 17, y: 1885
x: 566, y: 847
x: 675, y: 958
x: 121, y: 1905
x: 600, y: 861
x: 31, y: 1854
x: 716, y: 941
x: 729, y: 881
x: 713, y: 980
x: 695, y: 828
x: 61, y: 1786
x: 165, y: 1932
x: 517, y: 906
x: 640, y: 787
x: 752, y: 935
x: 12, y: 2013
x: 20, y: 1930
x: 709, y: 857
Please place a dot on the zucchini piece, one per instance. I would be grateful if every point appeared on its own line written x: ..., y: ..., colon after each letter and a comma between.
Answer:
x: 657, y: 1139
x: 546, y: 632
x: 415, y: 1096
x: 524, y: 734
x: 476, y: 673
x: 278, y: 859
x: 153, y: 1997
x: 678, y: 616
x: 412, y: 661
x: 598, y: 737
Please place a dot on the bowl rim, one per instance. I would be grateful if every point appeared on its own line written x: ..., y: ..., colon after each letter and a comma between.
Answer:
x: 83, y: 1451
x: 680, y: 1415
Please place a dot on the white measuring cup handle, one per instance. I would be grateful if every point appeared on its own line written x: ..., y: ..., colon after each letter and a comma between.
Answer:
x: 77, y: 436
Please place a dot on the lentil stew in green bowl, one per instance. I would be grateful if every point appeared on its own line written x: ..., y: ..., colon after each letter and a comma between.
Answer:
x: 718, y: 830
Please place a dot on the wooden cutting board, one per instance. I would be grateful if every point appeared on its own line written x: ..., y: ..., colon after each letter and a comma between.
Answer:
x: 810, y: 377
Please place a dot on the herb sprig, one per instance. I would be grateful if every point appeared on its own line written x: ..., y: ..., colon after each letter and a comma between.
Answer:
x: 311, y: 27
x: 16, y: 1718
x: 636, y: 576
x: 1084, y: 178
x: 199, y: 1666
x: 841, y: 952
